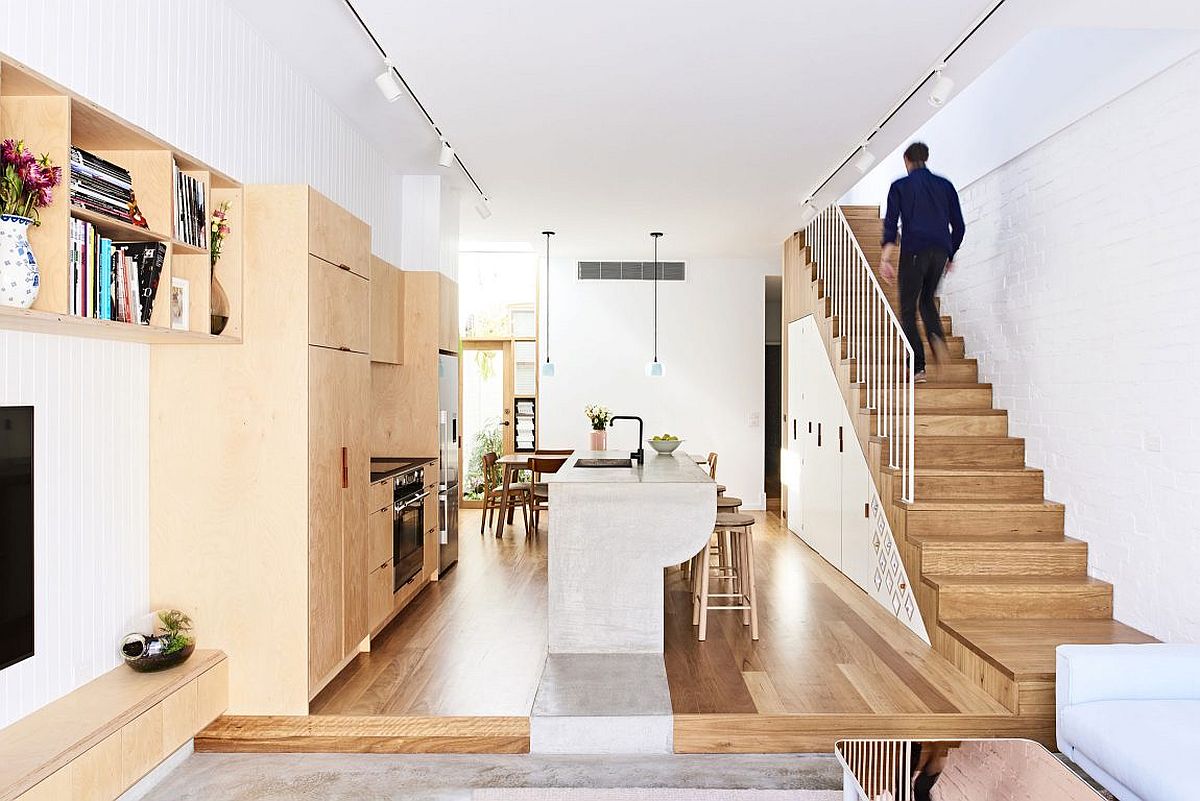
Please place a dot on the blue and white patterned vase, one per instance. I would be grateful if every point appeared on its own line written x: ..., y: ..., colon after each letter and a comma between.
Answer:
x: 18, y: 268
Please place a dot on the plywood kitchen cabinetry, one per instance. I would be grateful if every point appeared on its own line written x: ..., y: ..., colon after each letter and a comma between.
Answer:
x: 259, y: 509
x: 387, y: 312
x: 404, y: 397
x: 448, y: 331
x: 383, y: 602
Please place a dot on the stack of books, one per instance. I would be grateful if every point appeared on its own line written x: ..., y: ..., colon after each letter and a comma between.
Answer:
x: 191, y: 218
x: 113, y: 280
x: 100, y: 186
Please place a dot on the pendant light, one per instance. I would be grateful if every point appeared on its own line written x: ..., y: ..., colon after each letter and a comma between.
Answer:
x: 655, y: 369
x: 548, y: 367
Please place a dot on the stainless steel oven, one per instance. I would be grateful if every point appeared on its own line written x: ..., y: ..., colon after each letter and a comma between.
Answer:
x: 408, y: 525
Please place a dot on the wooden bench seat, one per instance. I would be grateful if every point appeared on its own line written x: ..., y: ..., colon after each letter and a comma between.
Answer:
x: 99, y: 740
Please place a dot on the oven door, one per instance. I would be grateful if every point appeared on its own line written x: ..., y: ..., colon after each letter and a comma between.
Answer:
x: 408, y: 538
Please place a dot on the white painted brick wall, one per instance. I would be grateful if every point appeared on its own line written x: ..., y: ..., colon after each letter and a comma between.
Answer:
x: 1078, y: 288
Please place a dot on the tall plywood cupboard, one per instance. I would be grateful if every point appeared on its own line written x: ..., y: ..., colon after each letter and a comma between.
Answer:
x: 280, y: 448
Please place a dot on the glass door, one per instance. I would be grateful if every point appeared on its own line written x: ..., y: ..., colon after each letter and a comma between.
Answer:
x: 487, y: 409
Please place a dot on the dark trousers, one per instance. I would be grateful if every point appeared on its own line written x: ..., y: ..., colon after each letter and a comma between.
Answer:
x: 920, y: 274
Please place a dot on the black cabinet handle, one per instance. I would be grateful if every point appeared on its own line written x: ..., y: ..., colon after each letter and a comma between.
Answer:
x: 818, y: 435
x: 793, y: 429
x: 840, y: 439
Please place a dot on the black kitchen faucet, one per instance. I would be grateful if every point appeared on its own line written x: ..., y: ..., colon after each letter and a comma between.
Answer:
x: 640, y: 454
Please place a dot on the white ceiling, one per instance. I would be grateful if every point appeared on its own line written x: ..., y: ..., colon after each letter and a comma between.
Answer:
x: 604, y: 121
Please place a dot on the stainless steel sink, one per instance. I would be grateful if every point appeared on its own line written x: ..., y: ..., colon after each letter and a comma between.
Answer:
x: 604, y: 463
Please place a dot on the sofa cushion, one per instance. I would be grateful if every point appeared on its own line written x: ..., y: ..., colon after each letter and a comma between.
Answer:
x: 1149, y: 746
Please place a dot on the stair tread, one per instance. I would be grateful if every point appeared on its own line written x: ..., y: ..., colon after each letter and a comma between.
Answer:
x: 959, y: 439
x: 953, y: 385
x: 980, y: 506
x: 975, y: 471
x: 993, y: 539
x: 938, y: 580
x: 1024, y: 649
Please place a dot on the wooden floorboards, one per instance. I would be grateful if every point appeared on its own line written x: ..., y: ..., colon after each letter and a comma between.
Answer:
x: 458, y: 669
x: 472, y: 643
x: 348, y: 734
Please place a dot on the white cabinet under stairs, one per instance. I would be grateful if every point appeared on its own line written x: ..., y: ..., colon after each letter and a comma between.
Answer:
x: 832, y: 503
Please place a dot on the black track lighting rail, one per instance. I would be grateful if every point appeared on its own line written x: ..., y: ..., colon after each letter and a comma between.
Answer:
x: 375, y: 41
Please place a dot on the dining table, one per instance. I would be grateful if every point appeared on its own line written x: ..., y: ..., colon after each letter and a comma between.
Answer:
x: 510, y: 465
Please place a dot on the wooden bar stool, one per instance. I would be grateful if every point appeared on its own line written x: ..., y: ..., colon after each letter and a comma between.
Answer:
x: 737, y: 530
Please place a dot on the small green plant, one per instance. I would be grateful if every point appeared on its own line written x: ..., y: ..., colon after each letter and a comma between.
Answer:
x: 176, y: 627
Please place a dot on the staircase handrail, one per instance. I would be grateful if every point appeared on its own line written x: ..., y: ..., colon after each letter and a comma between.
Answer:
x: 874, y: 338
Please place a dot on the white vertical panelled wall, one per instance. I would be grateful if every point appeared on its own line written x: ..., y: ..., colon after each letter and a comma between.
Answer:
x: 197, y: 75
x: 91, y: 506
x: 710, y: 338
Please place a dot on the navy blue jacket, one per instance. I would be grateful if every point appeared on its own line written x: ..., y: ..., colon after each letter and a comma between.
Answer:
x: 927, y: 207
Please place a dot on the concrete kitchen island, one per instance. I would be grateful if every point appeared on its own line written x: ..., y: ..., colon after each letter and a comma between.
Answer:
x: 612, y: 531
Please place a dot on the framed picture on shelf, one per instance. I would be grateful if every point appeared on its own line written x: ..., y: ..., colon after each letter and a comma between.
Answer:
x: 180, y: 296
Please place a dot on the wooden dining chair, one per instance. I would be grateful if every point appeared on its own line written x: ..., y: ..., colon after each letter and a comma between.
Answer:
x: 712, y: 471
x: 493, y: 479
x: 540, y: 491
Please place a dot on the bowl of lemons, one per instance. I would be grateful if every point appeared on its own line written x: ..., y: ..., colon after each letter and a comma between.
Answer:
x: 665, y: 443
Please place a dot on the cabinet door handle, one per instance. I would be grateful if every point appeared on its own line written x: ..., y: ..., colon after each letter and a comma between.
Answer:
x: 818, y: 435
x: 793, y: 429
x: 345, y: 467
x: 839, y: 439
x: 343, y: 267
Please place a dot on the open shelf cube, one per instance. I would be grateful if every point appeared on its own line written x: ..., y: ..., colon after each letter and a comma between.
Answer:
x: 52, y: 120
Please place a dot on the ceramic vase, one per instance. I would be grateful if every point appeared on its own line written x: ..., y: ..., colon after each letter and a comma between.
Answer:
x: 219, y: 306
x: 18, y: 268
x: 599, y: 439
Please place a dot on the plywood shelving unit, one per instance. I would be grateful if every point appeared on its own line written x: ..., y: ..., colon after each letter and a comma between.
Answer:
x: 52, y: 119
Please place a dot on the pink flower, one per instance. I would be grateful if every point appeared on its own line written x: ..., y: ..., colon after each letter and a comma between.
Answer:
x: 44, y: 197
x: 8, y: 151
x: 224, y: 230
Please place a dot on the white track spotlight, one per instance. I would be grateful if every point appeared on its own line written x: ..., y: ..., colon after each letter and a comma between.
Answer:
x: 939, y: 93
x: 864, y: 160
x: 808, y: 213
x: 389, y: 85
x: 483, y: 207
x: 446, y: 157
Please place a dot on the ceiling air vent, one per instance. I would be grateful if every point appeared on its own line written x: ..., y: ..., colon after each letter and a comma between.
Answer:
x: 631, y: 271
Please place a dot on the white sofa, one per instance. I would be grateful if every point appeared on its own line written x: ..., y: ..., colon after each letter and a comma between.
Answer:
x: 1129, y: 715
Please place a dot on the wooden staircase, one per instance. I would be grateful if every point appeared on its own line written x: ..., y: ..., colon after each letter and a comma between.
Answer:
x: 996, y: 578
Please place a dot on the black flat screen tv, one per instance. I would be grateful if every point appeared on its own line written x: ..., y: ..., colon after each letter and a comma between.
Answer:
x: 16, y: 534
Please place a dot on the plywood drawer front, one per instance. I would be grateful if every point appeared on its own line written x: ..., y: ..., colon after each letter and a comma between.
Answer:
x: 339, y: 306
x: 55, y: 787
x: 212, y: 694
x: 379, y: 538
x: 380, y: 495
x: 96, y: 774
x: 141, y: 745
x: 337, y: 236
x: 379, y: 594
x: 179, y: 718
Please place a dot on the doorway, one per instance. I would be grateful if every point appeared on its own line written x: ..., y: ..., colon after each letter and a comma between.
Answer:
x: 486, y: 407
x: 773, y: 389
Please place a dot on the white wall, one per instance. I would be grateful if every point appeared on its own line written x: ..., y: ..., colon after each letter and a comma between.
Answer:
x: 710, y: 337
x: 429, y: 225
x: 1048, y: 80
x: 1076, y: 289
x: 199, y: 77
x: 91, y: 506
